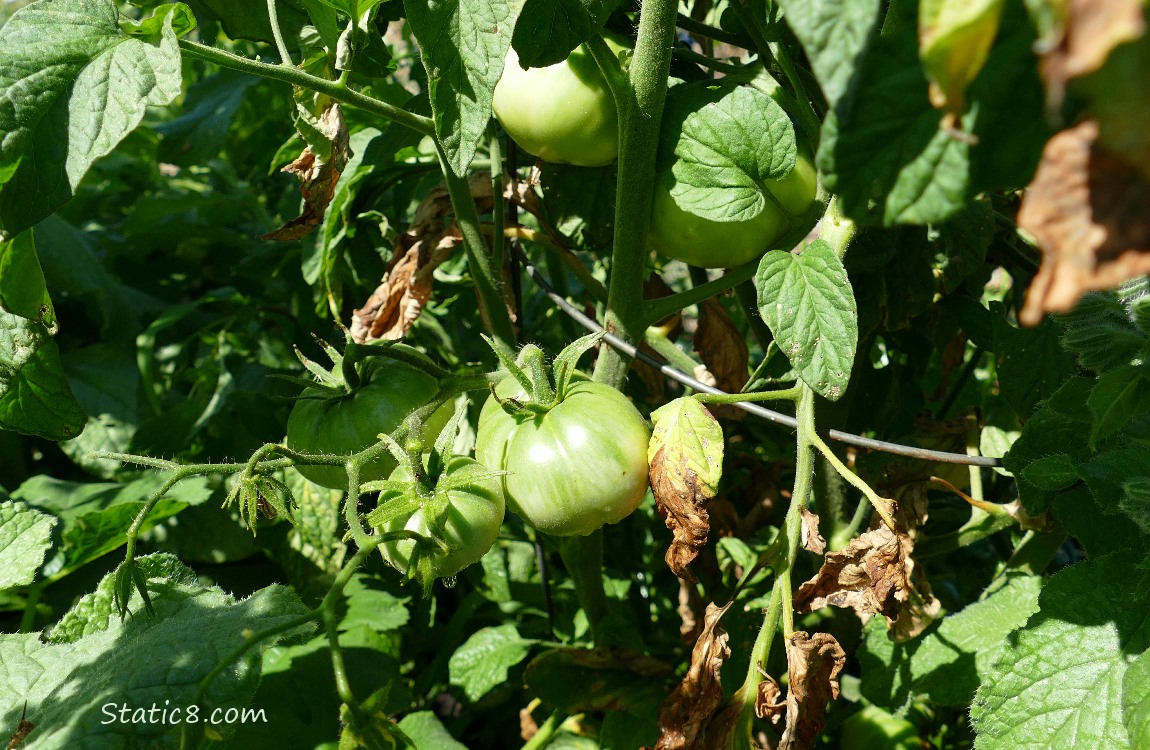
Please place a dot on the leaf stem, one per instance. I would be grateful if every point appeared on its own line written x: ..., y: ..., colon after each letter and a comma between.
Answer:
x: 789, y: 394
x: 296, y: 77
x: 698, y: 28
x: 880, y: 504
x: 657, y: 309
x: 278, y: 35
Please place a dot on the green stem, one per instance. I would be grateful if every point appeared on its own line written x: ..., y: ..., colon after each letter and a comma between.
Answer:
x: 789, y: 394
x: 278, y: 35
x: 487, y: 275
x: 880, y: 504
x: 657, y: 309
x: 760, y: 652
x: 691, y: 55
x: 749, y: 300
x: 640, y: 105
x: 666, y: 348
x: 583, y: 558
x: 296, y: 77
x: 837, y: 230
x: 698, y: 28
x: 546, y: 731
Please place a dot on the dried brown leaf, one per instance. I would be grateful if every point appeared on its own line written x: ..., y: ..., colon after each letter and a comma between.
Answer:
x: 1089, y: 31
x: 318, y: 177
x: 813, y: 665
x: 871, y: 576
x: 770, y: 704
x: 528, y: 727
x: 811, y: 538
x: 722, y: 348
x: 23, y: 729
x: 691, y: 706
x: 1089, y: 210
x: 690, y: 612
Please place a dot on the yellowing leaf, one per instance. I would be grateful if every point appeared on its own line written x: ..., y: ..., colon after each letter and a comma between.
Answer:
x: 954, y: 40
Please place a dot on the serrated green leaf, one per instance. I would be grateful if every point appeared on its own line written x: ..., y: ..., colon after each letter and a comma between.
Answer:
x: 548, y: 30
x: 835, y: 35
x: 463, y: 45
x: 481, y: 663
x: 690, y: 440
x: 1023, y: 385
x: 726, y: 149
x: 178, y: 15
x: 1058, y: 683
x: 808, y: 302
x: 1117, y: 396
x: 950, y: 661
x: 25, y: 537
x: 1107, y: 473
x: 34, y: 394
x: 1051, y: 473
x: 67, y: 682
x: 1136, y: 701
x: 427, y: 732
x: 75, y: 84
x: 1135, y: 501
x: 373, y: 608
x: 1101, y: 334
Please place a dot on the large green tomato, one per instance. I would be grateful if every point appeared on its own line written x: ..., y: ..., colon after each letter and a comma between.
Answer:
x: 348, y: 423
x: 682, y: 235
x: 563, y: 113
x: 574, y: 468
x: 875, y: 729
x: 474, y: 514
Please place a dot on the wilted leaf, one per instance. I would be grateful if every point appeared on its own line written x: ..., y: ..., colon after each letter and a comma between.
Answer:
x: 813, y: 664
x: 685, y: 715
x: 686, y: 457
x: 812, y: 540
x: 1081, y: 39
x: 23, y: 729
x: 1089, y: 211
x: 873, y: 575
x: 318, y: 174
x: 721, y: 347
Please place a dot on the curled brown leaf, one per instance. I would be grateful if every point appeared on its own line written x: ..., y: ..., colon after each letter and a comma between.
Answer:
x: 318, y: 177
x: 813, y: 666
x: 811, y: 538
x: 689, y: 709
x: 1089, y: 212
x: 1083, y: 38
x: 722, y: 348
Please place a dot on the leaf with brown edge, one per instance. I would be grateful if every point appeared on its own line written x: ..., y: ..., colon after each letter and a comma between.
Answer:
x: 813, y: 666
x: 811, y: 538
x: 686, y: 460
x: 1089, y: 210
x: 318, y: 174
x: 721, y: 347
x: 689, y: 709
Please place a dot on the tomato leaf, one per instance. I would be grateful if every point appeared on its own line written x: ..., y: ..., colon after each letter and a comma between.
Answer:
x: 954, y: 41
x: 1056, y: 681
x: 548, y: 30
x: 75, y: 84
x: 25, y: 537
x: 835, y: 35
x: 463, y: 45
x: 726, y: 149
x: 808, y: 302
x: 1117, y: 396
x: 481, y: 663
x: 1136, y: 700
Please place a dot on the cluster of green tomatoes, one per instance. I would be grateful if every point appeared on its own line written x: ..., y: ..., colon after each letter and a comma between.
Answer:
x: 566, y: 455
x: 565, y: 114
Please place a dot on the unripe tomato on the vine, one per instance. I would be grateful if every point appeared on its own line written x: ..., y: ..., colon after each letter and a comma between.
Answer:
x: 474, y: 513
x: 874, y: 729
x: 573, y: 468
x: 347, y: 423
x: 680, y: 234
x: 563, y: 113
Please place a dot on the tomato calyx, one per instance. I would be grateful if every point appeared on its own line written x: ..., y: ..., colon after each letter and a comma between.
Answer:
x: 542, y: 388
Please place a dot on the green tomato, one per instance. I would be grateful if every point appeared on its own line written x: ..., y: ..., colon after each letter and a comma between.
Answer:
x: 348, y: 423
x: 474, y: 514
x: 682, y: 235
x: 563, y: 113
x: 875, y: 729
x: 573, y: 468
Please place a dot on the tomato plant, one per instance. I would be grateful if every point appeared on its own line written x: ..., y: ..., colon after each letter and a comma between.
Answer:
x: 680, y: 234
x: 562, y: 113
x: 462, y: 508
x: 875, y: 729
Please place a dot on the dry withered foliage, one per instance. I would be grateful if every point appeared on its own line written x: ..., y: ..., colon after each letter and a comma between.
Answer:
x: 813, y: 666
x: 681, y: 494
x: 317, y: 177
x: 1089, y: 210
x: 690, y: 611
x: 1090, y: 29
x: 811, y: 538
x: 721, y: 347
x: 687, y: 712
x: 23, y: 729
x: 874, y: 574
